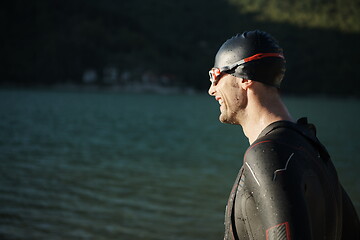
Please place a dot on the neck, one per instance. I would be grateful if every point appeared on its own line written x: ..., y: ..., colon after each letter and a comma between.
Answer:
x: 261, y: 111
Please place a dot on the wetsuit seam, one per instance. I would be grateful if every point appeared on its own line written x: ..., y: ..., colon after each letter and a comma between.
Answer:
x: 254, y: 145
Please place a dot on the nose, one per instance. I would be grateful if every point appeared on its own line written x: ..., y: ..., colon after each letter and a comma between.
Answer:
x: 212, y: 90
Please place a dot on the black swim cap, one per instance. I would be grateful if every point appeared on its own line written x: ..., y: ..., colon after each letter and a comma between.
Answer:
x: 264, y: 61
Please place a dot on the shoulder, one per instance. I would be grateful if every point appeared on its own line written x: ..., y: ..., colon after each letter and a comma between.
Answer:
x: 267, y: 150
x: 279, y: 143
x: 270, y: 156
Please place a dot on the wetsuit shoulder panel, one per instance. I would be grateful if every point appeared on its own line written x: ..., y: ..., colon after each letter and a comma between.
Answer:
x: 276, y: 201
x: 289, y: 187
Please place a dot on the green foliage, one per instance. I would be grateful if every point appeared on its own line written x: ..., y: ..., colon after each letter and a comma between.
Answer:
x: 341, y: 15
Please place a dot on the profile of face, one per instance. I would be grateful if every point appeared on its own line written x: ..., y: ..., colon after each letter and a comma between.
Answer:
x: 228, y: 92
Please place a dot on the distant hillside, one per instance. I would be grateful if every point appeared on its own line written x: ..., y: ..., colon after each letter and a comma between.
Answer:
x: 51, y: 42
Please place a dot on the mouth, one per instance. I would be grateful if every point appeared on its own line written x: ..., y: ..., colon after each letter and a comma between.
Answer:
x: 219, y: 100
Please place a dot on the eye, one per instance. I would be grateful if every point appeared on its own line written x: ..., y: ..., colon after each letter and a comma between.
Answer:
x: 215, y: 75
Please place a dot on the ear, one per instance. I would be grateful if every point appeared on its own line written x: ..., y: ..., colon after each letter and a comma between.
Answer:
x: 246, y: 83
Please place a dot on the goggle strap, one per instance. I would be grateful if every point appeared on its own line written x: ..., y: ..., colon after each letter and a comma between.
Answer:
x: 214, y: 72
x: 262, y: 55
x: 254, y: 57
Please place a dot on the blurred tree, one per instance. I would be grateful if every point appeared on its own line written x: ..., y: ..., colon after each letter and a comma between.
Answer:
x: 48, y: 42
x: 341, y: 15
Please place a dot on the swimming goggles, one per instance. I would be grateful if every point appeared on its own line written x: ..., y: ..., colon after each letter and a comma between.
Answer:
x: 214, y: 73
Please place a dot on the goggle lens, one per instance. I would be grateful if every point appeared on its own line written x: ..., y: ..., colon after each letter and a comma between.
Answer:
x: 214, y: 73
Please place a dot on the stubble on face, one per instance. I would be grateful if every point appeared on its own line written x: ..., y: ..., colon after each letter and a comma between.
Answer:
x: 234, y: 102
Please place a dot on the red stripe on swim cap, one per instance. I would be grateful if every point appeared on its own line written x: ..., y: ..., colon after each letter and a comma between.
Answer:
x: 263, y: 55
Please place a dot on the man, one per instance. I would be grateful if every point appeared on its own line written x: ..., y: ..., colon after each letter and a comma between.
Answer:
x: 287, y: 187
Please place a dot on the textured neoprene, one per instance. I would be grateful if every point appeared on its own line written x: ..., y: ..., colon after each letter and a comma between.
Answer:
x: 288, y: 189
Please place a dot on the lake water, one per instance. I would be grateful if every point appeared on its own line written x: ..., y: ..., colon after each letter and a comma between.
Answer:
x: 136, y: 166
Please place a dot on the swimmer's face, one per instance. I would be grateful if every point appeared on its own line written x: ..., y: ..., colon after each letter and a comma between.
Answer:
x: 230, y: 96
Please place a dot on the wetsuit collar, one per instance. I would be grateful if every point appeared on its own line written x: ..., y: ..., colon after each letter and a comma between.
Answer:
x: 302, y: 127
x: 274, y: 125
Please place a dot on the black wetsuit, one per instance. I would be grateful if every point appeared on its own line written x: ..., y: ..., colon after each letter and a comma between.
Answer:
x: 288, y: 188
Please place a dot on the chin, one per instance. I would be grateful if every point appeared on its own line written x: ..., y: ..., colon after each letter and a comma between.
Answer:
x: 223, y: 119
x: 226, y: 119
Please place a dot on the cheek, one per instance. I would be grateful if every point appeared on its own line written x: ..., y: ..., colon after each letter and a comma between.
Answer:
x: 239, y: 98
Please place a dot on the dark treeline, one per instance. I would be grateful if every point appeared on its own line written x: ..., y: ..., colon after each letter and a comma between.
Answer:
x: 51, y: 42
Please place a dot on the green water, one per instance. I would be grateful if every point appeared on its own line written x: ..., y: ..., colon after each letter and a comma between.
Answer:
x: 136, y: 166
